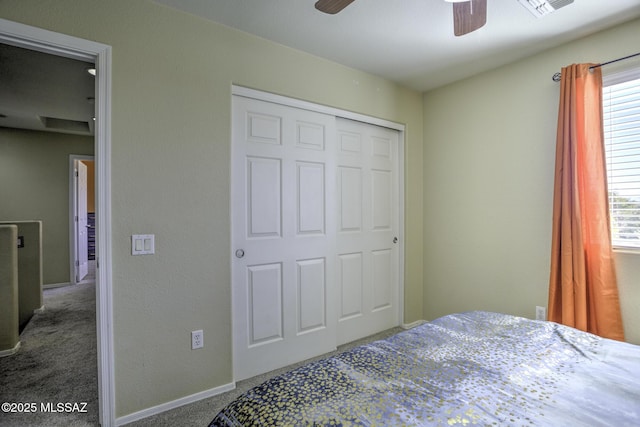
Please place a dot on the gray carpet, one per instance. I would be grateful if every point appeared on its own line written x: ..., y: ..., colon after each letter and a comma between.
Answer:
x: 56, y: 362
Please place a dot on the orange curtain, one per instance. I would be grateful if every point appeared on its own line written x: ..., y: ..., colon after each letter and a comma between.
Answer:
x: 583, y: 291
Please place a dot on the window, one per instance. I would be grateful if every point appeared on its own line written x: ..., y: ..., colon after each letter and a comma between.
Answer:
x: 621, y: 116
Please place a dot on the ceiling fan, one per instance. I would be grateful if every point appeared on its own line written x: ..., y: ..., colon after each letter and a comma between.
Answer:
x: 468, y: 15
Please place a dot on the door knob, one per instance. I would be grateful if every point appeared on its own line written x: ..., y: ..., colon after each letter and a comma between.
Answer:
x: 239, y: 253
x: 395, y: 240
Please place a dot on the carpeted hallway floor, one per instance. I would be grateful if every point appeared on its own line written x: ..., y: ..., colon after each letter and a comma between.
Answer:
x: 56, y: 362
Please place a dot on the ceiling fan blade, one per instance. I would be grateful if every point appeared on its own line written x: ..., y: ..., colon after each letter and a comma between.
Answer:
x: 469, y: 16
x: 332, y: 6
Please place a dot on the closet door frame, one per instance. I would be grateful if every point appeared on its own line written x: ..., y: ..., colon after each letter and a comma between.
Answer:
x: 338, y: 113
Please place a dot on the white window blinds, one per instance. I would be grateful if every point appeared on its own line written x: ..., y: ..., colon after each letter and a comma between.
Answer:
x: 621, y: 108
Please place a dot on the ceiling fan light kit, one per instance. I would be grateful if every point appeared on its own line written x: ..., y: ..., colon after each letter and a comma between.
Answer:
x: 540, y: 8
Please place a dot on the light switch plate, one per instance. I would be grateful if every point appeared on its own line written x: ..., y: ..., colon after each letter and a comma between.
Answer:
x: 143, y: 244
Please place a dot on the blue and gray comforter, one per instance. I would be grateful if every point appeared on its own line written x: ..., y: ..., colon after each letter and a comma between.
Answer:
x: 466, y: 369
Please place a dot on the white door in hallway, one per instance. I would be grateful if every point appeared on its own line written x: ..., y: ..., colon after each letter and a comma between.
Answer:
x: 82, y: 244
x: 283, y: 235
x: 368, y: 207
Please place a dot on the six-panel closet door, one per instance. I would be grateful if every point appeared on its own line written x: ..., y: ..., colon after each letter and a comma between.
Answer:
x: 314, y: 216
x: 367, y: 229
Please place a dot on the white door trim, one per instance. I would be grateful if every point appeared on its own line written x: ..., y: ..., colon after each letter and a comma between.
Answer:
x: 73, y: 229
x: 318, y: 108
x: 306, y: 105
x: 25, y: 36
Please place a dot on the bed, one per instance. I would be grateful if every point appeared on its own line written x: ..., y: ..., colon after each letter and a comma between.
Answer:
x: 466, y: 369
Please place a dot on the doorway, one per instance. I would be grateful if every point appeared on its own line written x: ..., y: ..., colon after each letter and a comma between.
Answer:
x: 53, y: 43
x: 82, y: 218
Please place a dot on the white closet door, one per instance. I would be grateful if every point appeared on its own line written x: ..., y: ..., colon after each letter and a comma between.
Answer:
x: 368, y: 209
x: 283, y: 226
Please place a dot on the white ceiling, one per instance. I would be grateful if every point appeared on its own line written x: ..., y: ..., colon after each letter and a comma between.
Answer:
x: 412, y: 41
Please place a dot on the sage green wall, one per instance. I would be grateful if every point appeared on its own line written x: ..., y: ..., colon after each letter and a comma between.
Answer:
x: 9, y: 310
x: 29, y: 269
x: 488, y: 172
x: 172, y: 76
x: 34, y: 185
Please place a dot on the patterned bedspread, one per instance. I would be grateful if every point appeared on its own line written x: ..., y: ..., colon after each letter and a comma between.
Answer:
x: 466, y: 369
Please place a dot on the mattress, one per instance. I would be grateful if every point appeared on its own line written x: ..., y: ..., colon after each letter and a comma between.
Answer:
x: 475, y: 368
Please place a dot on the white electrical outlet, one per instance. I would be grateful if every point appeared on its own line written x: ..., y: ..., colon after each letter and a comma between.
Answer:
x: 197, y: 339
x: 541, y: 313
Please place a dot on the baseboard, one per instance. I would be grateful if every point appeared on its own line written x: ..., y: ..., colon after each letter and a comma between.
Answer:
x: 55, y: 285
x: 413, y: 324
x: 136, y: 416
x: 11, y: 351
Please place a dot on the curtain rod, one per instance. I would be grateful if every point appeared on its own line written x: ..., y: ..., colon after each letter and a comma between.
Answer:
x: 556, y: 76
